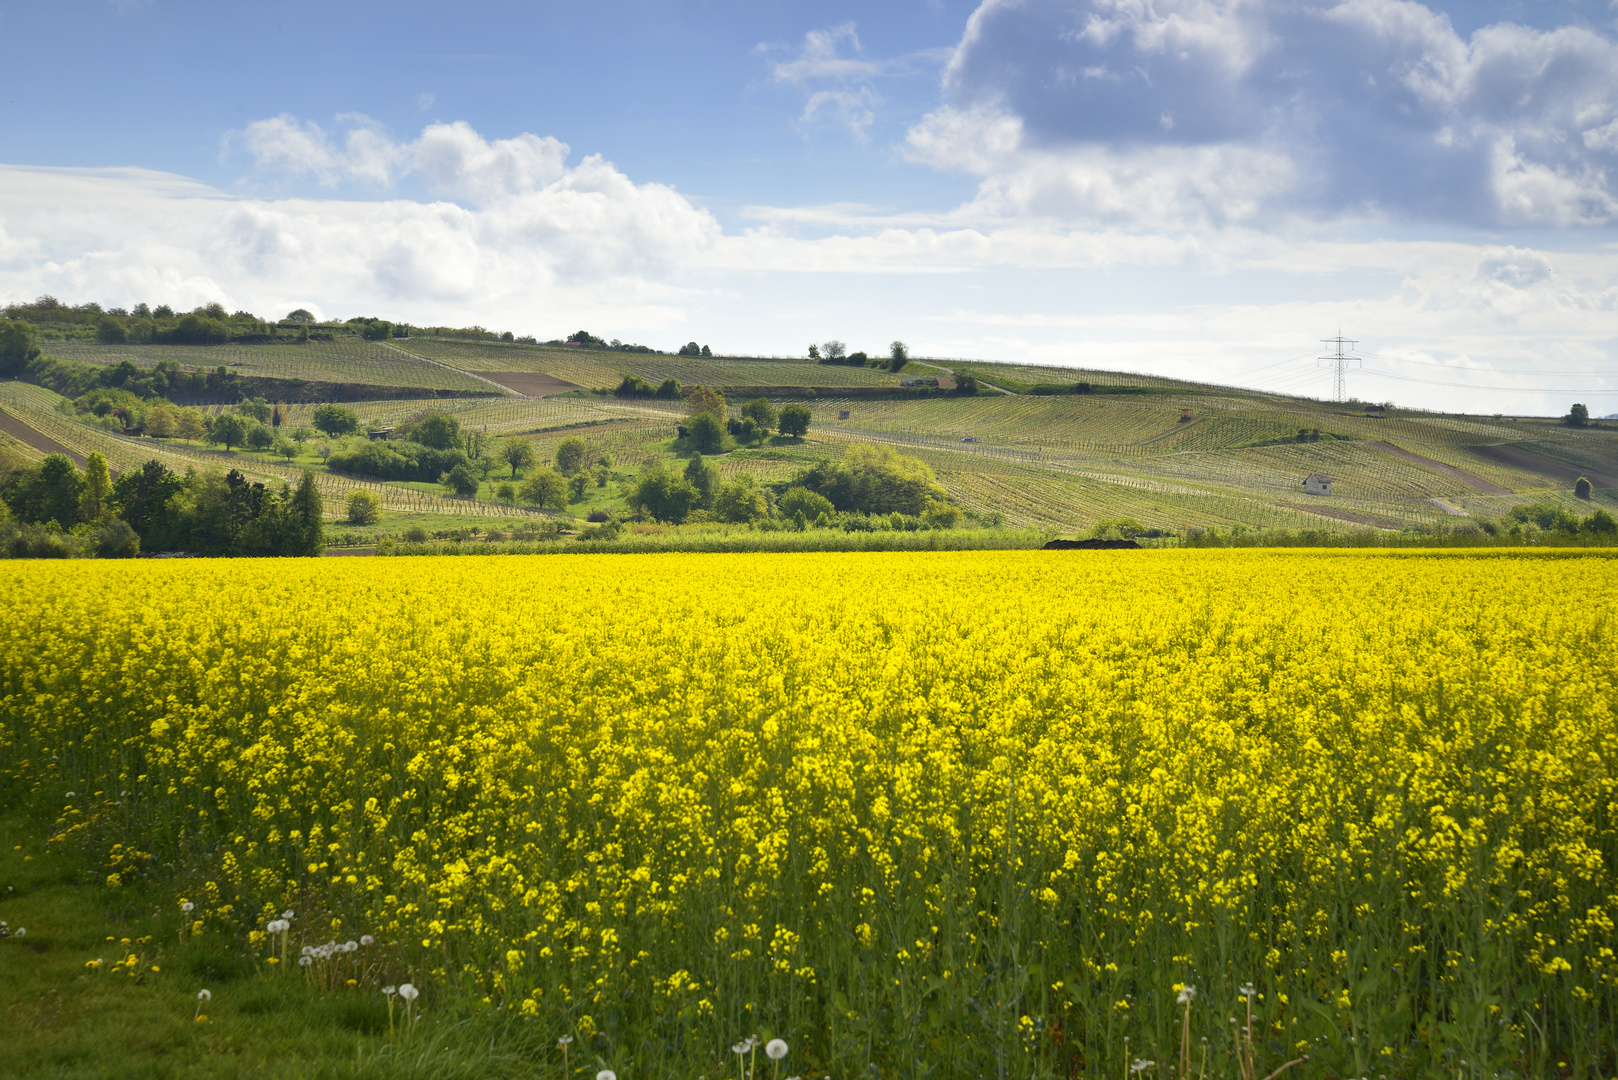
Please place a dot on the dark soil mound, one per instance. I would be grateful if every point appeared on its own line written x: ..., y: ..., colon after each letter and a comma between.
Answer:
x: 1091, y: 545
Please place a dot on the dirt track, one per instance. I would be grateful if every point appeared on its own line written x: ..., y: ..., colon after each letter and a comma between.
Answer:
x: 1470, y: 479
x: 530, y: 383
x: 1518, y: 458
x: 37, y: 439
x: 1344, y: 515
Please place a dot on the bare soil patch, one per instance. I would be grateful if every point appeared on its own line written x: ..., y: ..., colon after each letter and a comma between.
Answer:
x: 1517, y: 457
x: 531, y: 383
x: 1345, y: 515
x: 37, y: 439
x: 1470, y: 479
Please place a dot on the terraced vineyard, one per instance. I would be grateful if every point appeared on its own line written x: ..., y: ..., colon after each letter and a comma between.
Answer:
x: 347, y: 360
x: 593, y: 368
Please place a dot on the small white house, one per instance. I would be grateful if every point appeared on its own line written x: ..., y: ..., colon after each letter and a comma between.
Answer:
x: 1317, y: 484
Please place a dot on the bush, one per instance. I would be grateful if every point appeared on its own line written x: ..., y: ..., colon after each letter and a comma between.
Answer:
x: 707, y: 433
x: 800, y: 500
x: 1581, y: 488
x: 739, y: 501
x: 571, y: 454
x: 198, y: 330
x: 794, y: 420
x: 116, y: 540
x: 546, y: 489
x: 461, y: 480
x: 110, y: 331
x: 399, y: 460
x: 415, y: 535
x: 364, y: 508
x: 336, y: 421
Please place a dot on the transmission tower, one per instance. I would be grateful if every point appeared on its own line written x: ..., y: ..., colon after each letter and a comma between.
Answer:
x: 1339, y: 360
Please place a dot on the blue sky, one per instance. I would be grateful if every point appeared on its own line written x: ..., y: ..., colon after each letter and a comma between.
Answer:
x: 1192, y: 187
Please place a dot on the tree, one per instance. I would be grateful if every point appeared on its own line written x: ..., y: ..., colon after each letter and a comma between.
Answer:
x: 794, y: 420
x: 1581, y: 488
x: 110, y: 331
x: 97, y: 486
x: 505, y: 493
x: 229, y: 430
x: 308, y: 513
x: 519, y: 454
x: 705, y: 399
x: 376, y: 330
x: 739, y: 501
x: 898, y: 355
x: 663, y: 495
x: 800, y: 500
x: 1578, y: 416
x: 461, y: 480
x: 300, y: 435
x: 336, y: 421
x: 833, y: 351
x: 940, y: 515
x: 814, y: 352
x: 19, y: 346
x: 571, y: 455
x: 706, y: 351
x: 300, y: 315
x: 576, y: 485
x: 188, y: 424
x: 161, y: 421
x: 141, y: 497
x: 707, y: 433
x: 199, y: 330
x: 259, y: 437
x: 283, y: 448
x: 439, y: 431
x: 669, y: 389
x: 1600, y: 523
x: 704, y: 478
x: 690, y: 348
x: 761, y: 413
x: 116, y: 540
x: 364, y: 508
x: 546, y: 489
x: 257, y: 408
x: 966, y: 383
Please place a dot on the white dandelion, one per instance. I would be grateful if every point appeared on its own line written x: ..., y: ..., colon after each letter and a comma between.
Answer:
x: 408, y: 992
x: 562, y: 1043
x: 1188, y: 994
x: 204, y: 995
x: 606, y: 1074
x: 775, y: 1049
x: 367, y: 939
x: 187, y: 906
x: 1141, y: 1065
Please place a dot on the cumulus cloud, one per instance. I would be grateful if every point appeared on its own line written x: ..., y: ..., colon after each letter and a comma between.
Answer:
x: 1335, y: 107
x: 454, y: 159
x: 527, y: 233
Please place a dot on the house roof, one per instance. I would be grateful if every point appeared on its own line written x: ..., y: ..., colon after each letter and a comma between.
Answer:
x: 1317, y: 477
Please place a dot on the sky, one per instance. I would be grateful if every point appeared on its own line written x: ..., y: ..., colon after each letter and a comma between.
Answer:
x: 1201, y: 189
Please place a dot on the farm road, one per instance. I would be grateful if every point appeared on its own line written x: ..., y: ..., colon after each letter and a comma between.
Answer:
x: 1470, y: 479
x: 451, y: 367
x: 37, y: 439
x: 532, y: 383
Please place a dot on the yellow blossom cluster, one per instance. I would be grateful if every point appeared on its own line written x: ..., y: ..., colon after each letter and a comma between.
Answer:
x: 969, y: 812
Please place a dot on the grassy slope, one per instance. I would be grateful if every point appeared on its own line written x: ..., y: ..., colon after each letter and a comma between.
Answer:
x: 67, y: 1021
x: 1060, y: 462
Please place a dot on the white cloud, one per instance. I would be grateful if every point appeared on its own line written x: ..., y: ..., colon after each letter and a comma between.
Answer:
x: 455, y: 160
x: 1337, y: 107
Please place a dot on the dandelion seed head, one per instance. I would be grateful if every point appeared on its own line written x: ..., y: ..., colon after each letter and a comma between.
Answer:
x: 390, y: 990
x: 1187, y: 995
x: 204, y: 994
x: 408, y: 992
x: 305, y: 961
x: 775, y: 1049
x: 187, y: 905
x: 367, y: 939
x: 562, y: 1043
x: 606, y: 1074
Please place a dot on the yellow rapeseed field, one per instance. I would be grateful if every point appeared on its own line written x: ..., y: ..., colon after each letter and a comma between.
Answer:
x: 917, y: 814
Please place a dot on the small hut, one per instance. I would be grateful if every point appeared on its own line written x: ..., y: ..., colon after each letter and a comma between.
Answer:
x: 1373, y: 412
x: 1317, y: 483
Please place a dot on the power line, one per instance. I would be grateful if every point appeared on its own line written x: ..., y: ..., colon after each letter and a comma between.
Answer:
x: 1339, y: 361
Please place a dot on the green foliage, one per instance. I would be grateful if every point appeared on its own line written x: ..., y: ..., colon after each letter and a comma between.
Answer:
x: 398, y: 459
x: 634, y: 386
x: 1578, y: 416
x: 1582, y: 488
x: 198, y: 330
x: 705, y: 399
x: 669, y: 389
x: 110, y: 331
x: 761, y: 413
x: 259, y: 437
x: 519, y: 454
x: 257, y: 408
x: 663, y: 495
x: 707, y: 434
x: 739, y: 501
x: 50, y: 492
x: 571, y: 455
x: 335, y: 420
x: 691, y: 348
x: 794, y: 420
x: 97, y: 486
x: 898, y: 355
x: 19, y: 345
x: 461, y: 480
x: 941, y: 515
x: 800, y: 501
x: 364, y: 508
x: 116, y: 540
x: 545, y: 488
x: 704, y: 478
x: 439, y: 431
x: 874, y: 480
x: 300, y: 315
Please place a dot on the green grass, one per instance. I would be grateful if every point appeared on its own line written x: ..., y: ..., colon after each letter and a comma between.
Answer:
x: 346, y: 360
x: 66, y: 1021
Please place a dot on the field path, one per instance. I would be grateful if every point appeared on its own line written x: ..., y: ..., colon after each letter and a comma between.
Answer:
x: 506, y: 390
x: 11, y: 425
x: 532, y: 383
x: 1487, y: 487
x: 951, y: 371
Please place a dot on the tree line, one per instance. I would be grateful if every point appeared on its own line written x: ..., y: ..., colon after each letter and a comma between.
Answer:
x: 53, y: 509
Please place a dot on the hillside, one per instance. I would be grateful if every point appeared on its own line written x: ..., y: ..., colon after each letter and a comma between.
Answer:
x: 1025, y: 446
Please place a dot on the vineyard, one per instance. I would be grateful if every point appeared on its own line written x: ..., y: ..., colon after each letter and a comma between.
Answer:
x: 601, y: 368
x: 346, y: 360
